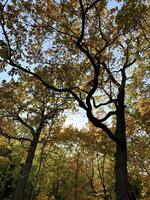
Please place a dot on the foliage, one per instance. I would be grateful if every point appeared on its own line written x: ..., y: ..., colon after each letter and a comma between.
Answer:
x: 86, y: 53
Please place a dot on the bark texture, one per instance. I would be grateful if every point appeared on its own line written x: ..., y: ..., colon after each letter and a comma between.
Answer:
x: 25, y: 171
x: 121, y: 150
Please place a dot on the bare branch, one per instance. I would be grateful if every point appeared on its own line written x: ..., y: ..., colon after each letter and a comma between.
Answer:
x: 25, y: 124
x: 99, y: 124
x: 5, y: 3
x: 126, y: 65
x: 107, y: 116
x: 87, y: 53
x: 81, y: 103
x: 103, y: 104
x: 94, y: 87
x: 83, y: 22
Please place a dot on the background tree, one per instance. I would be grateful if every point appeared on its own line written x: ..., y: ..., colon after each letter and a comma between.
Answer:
x: 138, y: 130
x: 26, y: 109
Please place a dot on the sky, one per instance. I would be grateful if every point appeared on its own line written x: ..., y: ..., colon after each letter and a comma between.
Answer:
x: 77, y: 119
x: 4, y: 76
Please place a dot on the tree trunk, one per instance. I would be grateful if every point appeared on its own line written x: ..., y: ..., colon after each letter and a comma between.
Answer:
x: 121, y: 151
x: 25, y: 171
x: 77, y: 176
x: 121, y: 174
x: 101, y: 173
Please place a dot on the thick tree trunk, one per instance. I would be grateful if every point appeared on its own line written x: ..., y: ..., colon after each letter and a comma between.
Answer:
x: 121, y: 151
x: 25, y: 171
x: 121, y: 174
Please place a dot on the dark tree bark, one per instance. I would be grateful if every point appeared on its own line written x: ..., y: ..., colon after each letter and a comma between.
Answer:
x: 25, y: 171
x: 121, y: 150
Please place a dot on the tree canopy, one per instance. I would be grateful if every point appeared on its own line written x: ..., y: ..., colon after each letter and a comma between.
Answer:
x: 88, y: 53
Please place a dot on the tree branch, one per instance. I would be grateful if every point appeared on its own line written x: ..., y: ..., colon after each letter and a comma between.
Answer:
x: 93, y: 89
x: 2, y: 22
x: 99, y: 124
x: 107, y: 116
x: 83, y: 22
x: 92, y: 5
x: 126, y: 65
x: 6, y: 135
x: 103, y: 104
x: 110, y: 75
x: 25, y: 124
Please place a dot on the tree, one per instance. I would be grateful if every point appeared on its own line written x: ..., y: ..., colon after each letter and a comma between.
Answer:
x: 138, y: 130
x: 27, y: 112
x: 91, y: 50
x: 75, y: 168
